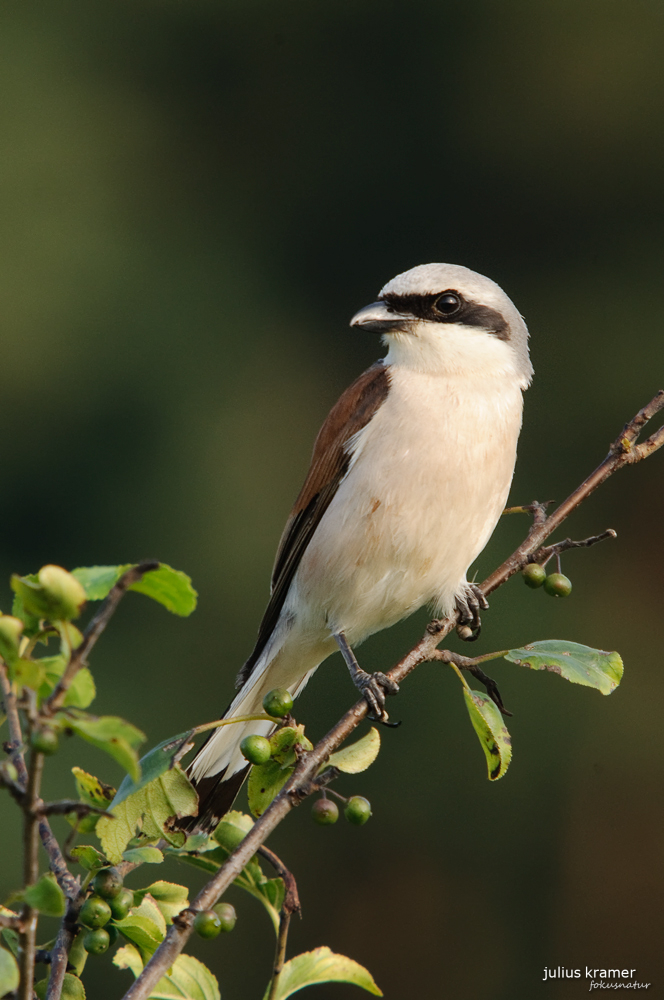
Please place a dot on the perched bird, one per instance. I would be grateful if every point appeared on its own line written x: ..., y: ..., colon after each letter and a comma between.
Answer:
x: 409, y: 475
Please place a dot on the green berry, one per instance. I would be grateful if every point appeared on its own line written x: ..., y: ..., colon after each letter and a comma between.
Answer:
x: 96, y: 942
x: 358, y: 810
x: 278, y: 703
x: 44, y: 740
x: 534, y: 575
x: 122, y: 904
x: 325, y: 812
x: 95, y: 912
x: 10, y: 635
x: 207, y: 924
x: 227, y: 916
x: 230, y: 835
x: 256, y: 749
x: 107, y: 883
x: 558, y: 585
x: 55, y: 594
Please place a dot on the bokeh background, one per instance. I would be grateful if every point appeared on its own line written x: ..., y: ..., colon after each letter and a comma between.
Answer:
x: 195, y: 198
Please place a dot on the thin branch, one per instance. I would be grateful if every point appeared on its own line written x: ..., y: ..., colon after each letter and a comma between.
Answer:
x: 14, y: 921
x: 292, y: 898
x: 29, y: 916
x: 543, y: 555
x: 14, y: 746
x: 301, y: 781
x: 61, y: 949
x: 65, y: 806
x: 280, y: 952
x: 92, y: 633
x: 622, y: 452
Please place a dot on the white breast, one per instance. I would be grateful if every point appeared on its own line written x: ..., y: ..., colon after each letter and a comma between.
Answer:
x: 429, y: 480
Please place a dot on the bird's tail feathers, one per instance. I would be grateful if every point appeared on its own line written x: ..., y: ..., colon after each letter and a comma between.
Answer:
x: 219, y: 768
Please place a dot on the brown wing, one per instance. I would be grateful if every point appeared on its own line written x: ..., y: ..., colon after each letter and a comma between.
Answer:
x: 329, y: 465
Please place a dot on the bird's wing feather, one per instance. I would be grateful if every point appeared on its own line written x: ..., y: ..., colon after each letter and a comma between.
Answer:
x: 329, y: 465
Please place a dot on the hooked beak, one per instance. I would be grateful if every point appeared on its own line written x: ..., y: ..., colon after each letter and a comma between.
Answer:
x: 377, y: 318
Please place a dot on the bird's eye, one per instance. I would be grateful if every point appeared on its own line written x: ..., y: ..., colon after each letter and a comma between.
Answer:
x: 448, y: 303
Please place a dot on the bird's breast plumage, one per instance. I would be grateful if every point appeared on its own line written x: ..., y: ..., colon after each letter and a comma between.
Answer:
x: 428, y: 479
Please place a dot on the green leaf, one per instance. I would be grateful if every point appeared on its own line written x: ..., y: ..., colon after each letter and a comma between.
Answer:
x: 188, y: 979
x: 144, y: 855
x: 358, y: 756
x: 267, y: 780
x: 110, y: 733
x: 32, y: 626
x: 154, y: 764
x: 149, y: 810
x: 28, y: 673
x: 72, y: 988
x: 98, y: 581
x: 169, y: 897
x: 284, y: 741
x: 129, y: 957
x: 82, y: 691
x: 493, y: 735
x: 78, y: 956
x: 321, y: 966
x: 46, y: 896
x: 8, y: 972
x: 144, y: 926
x: 91, y: 790
x: 168, y: 586
x: 10, y: 937
x: 89, y: 857
x: 576, y: 663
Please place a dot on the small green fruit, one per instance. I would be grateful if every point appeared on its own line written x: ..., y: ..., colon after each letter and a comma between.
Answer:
x: 325, y: 812
x: 558, y: 585
x: 256, y: 749
x: 107, y: 883
x: 55, y: 595
x: 358, y: 810
x: 207, y: 924
x: 44, y: 740
x: 227, y: 916
x: 230, y: 834
x: 534, y: 575
x: 121, y: 904
x: 277, y: 703
x: 10, y: 635
x: 96, y: 942
x: 95, y: 912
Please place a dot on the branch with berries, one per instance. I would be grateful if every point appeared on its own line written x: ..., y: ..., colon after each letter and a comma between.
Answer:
x: 530, y: 553
x: 47, y: 696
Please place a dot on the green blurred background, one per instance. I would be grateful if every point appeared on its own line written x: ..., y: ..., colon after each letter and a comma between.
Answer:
x: 195, y: 198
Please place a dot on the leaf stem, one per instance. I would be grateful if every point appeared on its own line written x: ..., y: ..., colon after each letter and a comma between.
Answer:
x: 280, y: 953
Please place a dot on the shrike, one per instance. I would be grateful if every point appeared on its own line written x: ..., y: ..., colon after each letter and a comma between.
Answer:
x: 409, y: 475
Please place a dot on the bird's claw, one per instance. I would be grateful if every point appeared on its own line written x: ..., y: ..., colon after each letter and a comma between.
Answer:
x: 374, y: 688
x: 469, y: 604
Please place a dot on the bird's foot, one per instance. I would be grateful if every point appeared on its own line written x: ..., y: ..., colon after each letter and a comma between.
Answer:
x: 469, y: 604
x: 374, y: 687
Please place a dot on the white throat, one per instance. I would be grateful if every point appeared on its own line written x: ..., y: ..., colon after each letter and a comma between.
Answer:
x: 451, y: 349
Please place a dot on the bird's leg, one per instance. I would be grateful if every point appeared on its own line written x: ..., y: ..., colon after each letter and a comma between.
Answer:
x: 374, y: 687
x: 469, y: 603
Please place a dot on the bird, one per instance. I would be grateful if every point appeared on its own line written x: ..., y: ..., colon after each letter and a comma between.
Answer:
x: 409, y: 475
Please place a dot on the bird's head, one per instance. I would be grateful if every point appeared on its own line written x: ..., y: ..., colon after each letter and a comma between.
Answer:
x: 447, y: 318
